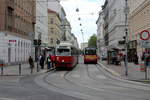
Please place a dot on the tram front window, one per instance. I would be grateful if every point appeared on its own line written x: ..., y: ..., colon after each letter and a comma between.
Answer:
x: 63, y: 52
x: 90, y: 52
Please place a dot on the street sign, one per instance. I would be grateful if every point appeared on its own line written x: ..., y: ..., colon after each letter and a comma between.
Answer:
x: 11, y: 41
x: 145, y: 44
x: 145, y: 35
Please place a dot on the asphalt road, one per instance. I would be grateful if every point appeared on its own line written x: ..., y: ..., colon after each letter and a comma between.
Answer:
x: 85, y: 82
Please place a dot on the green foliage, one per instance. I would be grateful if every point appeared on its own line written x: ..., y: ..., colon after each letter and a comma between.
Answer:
x: 92, y: 41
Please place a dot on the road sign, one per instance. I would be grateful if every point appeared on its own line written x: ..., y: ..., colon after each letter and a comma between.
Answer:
x: 145, y: 35
x: 145, y: 44
x: 11, y: 41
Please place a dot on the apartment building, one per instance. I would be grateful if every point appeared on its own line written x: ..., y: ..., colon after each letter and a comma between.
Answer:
x: 139, y: 20
x: 54, y: 28
x: 41, y: 26
x: 100, y: 33
x: 67, y: 30
x: 56, y: 6
x: 17, y: 19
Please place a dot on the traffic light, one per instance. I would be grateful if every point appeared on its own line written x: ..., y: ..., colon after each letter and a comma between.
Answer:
x: 122, y: 41
x: 39, y: 42
x: 35, y: 42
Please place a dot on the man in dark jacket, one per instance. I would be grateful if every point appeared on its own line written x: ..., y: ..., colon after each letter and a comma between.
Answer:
x: 42, y: 62
x: 30, y: 60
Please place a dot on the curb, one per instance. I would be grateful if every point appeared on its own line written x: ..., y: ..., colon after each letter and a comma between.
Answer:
x: 119, y: 77
x: 36, y: 73
x: 109, y: 70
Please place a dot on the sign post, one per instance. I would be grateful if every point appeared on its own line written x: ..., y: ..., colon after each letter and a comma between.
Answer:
x: 145, y: 43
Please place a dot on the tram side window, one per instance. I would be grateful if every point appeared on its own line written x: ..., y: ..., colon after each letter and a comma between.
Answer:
x: 73, y: 51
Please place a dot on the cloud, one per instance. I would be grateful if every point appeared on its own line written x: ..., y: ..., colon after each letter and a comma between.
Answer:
x: 88, y: 12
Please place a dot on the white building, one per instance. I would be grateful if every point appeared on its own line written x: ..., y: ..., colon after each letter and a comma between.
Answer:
x: 41, y: 26
x: 116, y: 20
x: 67, y: 29
x: 14, y: 49
x: 100, y: 33
x: 74, y: 40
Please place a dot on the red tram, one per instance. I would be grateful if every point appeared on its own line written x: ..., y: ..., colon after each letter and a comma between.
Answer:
x: 66, y: 56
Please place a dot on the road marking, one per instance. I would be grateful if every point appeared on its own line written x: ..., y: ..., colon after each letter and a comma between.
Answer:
x: 101, y: 76
x: 6, y: 99
x: 76, y: 75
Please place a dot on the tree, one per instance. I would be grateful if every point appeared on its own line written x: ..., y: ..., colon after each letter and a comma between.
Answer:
x: 92, y: 41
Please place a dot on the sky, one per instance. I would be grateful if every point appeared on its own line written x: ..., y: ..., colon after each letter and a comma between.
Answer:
x: 88, y: 12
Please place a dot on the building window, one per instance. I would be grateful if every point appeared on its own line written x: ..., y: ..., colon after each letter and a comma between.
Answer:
x: 51, y: 40
x: 52, y: 21
x: 52, y: 30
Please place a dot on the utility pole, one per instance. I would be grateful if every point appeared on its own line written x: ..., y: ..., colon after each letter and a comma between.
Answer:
x: 126, y: 11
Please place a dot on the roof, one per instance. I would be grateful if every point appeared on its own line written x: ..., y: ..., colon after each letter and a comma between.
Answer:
x: 51, y: 11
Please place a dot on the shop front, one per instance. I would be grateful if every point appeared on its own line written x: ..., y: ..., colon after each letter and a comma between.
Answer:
x: 114, y: 55
x: 132, y: 50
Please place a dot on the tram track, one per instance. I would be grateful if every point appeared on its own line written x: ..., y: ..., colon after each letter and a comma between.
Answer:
x: 74, y: 87
x: 97, y: 89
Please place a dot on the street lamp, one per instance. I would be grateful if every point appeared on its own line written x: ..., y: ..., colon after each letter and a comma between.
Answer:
x: 126, y: 11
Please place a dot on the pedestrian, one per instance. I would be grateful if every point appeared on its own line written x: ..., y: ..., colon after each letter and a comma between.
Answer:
x: 136, y: 58
x: 31, y: 63
x: 49, y: 62
x: 147, y: 60
x: 42, y: 62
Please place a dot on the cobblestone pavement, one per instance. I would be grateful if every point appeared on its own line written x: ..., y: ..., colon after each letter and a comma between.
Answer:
x: 134, y: 72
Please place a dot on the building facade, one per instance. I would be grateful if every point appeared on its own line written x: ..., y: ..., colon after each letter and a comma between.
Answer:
x: 41, y: 26
x: 100, y: 33
x: 54, y: 28
x: 106, y: 13
x: 17, y: 19
x: 67, y: 30
x: 116, y: 26
x: 56, y: 6
x: 139, y: 20
x: 74, y: 41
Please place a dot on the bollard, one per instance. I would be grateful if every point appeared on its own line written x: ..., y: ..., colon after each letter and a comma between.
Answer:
x: 145, y: 72
x: 2, y: 69
x: 19, y: 69
x: 37, y: 67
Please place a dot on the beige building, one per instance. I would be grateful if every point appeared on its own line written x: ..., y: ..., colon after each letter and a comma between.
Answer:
x: 139, y: 20
x: 17, y: 21
x: 54, y: 28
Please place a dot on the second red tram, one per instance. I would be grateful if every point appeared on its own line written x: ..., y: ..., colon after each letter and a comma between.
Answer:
x: 90, y: 55
x: 66, y: 56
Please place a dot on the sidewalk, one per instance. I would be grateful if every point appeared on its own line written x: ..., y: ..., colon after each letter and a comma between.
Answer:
x: 134, y: 72
x: 25, y: 70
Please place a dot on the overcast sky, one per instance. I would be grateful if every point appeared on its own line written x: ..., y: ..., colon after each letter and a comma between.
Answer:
x: 88, y: 12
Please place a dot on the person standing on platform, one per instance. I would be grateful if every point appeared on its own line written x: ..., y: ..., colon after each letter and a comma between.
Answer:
x: 42, y: 62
